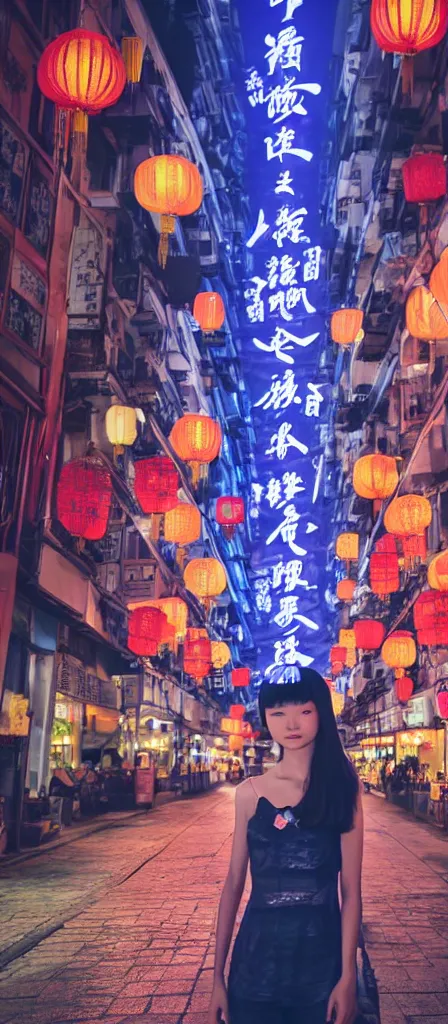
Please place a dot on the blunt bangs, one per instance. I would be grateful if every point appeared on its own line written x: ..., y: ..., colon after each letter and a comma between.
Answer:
x: 310, y: 687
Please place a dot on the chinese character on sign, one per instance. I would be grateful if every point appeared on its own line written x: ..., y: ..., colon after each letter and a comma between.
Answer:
x: 254, y: 302
x: 292, y: 485
x: 255, y: 501
x: 313, y: 400
x: 287, y: 653
x: 289, y: 225
x: 285, y: 301
x: 254, y: 87
x: 291, y: 6
x: 281, y: 393
x: 289, y: 614
x: 285, y: 50
x: 284, y: 183
x: 312, y: 266
x: 289, y: 575
x: 287, y: 530
x: 281, y: 271
x: 283, y: 144
x: 285, y: 100
x: 263, y: 599
x: 283, y: 440
x: 282, y: 343
x: 259, y: 231
x: 274, y: 492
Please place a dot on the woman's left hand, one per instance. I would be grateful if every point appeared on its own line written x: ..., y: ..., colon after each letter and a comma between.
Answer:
x: 342, y: 1001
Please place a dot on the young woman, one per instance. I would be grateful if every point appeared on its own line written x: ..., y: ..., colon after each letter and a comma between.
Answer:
x: 294, y: 958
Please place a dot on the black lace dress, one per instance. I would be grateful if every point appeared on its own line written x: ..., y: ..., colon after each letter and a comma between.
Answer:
x: 288, y: 947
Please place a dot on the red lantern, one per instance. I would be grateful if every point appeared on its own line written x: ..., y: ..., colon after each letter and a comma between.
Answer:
x: 197, y: 653
x: 237, y: 710
x: 430, y: 608
x: 442, y: 700
x: 240, y: 677
x: 338, y: 657
x: 83, y: 498
x: 146, y: 629
x: 424, y: 177
x: 229, y: 514
x: 433, y: 636
x: 369, y: 634
x: 408, y: 26
x: 404, y: 689
x: 247, y: 731
x: 156, y: 484
x: 209, y: 311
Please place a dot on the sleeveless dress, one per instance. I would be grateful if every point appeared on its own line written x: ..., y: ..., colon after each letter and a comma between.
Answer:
x: 288, y: 947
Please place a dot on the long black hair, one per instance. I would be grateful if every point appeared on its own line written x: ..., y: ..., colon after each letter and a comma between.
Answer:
x: 333, y: 785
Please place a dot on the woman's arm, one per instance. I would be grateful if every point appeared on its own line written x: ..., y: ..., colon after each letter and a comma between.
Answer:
x: 351, y: 848
x: 236, y: 877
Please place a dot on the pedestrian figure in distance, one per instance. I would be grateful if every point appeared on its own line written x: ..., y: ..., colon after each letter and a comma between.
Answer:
x: 300, y: 825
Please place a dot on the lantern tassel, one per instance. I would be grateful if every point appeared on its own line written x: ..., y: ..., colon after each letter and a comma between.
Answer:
x: 180, y: 558
x: 79, y: 148
x: 407, y: 76
x: 167, y: 228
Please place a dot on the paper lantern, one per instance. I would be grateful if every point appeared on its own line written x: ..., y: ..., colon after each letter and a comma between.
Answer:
x: 235, y: 743
x: 408, y: 26
x: 338, y: 658
x: 237, y: 710
x: 346, y: 326
x: 438, y: 572
x: 347, y: 639
x: 369, y: 634
x: 384, y: 571
x: 196, y: 439
x: 171, y: 186
x: 408, y: 517
x: 240, y: 677
x: 438, y: 282
x: 81, y: 71
x: 205, y: 577
x: 229, y: 514
x: 429, y: 608
x: 347, y: 547
x: 132, y: 50
x: 337, y: 702
x: 209, y: 311
x: 156, y: 484
x: 414, y: 549
x: 220, y: 654
x: 197, y: 653
x: 399, y: 651
x: 182, y: 524
x: 442, y: 700
x: 375, y: 476
x: 404, y: 689
x: 121, y: 425
x: 83, y: 498
x: 145, y: 630
x: 232, y: 725
x: 424, y: 178
x: 176, y: 612
x: 424, y: 316
x: 345, y: 590
x: 433, y: 636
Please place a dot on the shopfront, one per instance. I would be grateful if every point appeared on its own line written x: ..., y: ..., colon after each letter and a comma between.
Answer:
x: 86, y: 720
x: 428, y: 745
x: 376, y: 751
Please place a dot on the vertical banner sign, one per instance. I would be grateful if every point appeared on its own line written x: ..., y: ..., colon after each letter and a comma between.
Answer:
x: 287, y: 50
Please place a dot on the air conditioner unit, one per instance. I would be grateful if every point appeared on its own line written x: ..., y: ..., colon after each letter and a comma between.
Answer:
x: 108, y: 199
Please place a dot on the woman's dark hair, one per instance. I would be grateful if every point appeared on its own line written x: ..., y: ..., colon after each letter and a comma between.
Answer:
x: 333, y: 786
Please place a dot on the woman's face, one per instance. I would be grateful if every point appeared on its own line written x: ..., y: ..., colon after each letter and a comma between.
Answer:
x: 293, y: 725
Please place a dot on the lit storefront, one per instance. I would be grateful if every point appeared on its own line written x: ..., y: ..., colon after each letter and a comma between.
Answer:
x: 426, y: 744
x: 86, y: 717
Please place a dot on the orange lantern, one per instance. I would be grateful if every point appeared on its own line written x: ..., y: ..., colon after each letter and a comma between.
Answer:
x: 408, y: 26
x: 235, y: 743
x: 209, y: 311
x: 438, y: 572
x: 424, y: 178
x: 346, y: 326
x: 146, y: 628
x: 408, y: 517
x: 375, y: 476
x: 205, y: 577
x: 196, y: 439
x: 347, y: 639
x: 438, y: 282
x: 171, y: 186
x: 220, y: 654
x: 232, y: 725
x: 424, y: 316
x: 345, y: 590
x: 83, y: 497
x: 404, y: 689
x: 399, y: 651
x: 80, y: 71
x: 347, y: 547
x: 182, y: 524
x: 229, y: 514
x: 240, y: 677
x: 132, y: 51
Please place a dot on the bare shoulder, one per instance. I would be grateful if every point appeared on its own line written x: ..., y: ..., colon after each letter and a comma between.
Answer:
x: 245, y: 794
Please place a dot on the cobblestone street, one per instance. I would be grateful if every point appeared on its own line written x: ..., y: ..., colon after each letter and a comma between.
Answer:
x: 120, y: 921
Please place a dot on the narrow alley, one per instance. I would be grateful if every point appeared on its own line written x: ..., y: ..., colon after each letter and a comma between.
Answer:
x: 119, y: 925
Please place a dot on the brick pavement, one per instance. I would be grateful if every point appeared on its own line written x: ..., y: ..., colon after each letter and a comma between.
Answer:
x: 141, y: 949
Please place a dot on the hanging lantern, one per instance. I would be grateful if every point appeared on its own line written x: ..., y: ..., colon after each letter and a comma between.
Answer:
x: 240, y: 677
x: 121, y: 427
x: 197, y: 653
x: 384, y: 571
x: 338, y: 658
x: 369, y: 634
x: 347, y: 547
x: 237, y: 710
x: 347, y: 639
x: 209, y: 311
x: 235, y: 743
x: 132, y: 50
x: 176, y: 612
x: 424, y: 178
x: 145, y: 630
x: 83, y: 498
x: 346, y: 326
x: 229, y: 514
x: 220, y: 654
x: 438, y: 282
x: 433, y: 636
x: 424, y: 316
x: 404, y: 689
x: 429, y: 608
x: 399, y: 651
x: 408, y: 517
x: 375, y: 476
x: 337, y: 702
x: 81, y: 72
x: 182, y: 524
x: 171, y: 186
x: 442, y: 700
x: 205, y: 577
x: 438, y: 572
x: 156, y: 484
x: 408, y: 26
x: 232, y: 725
x: 345, y: 590
x: 196, y: 439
